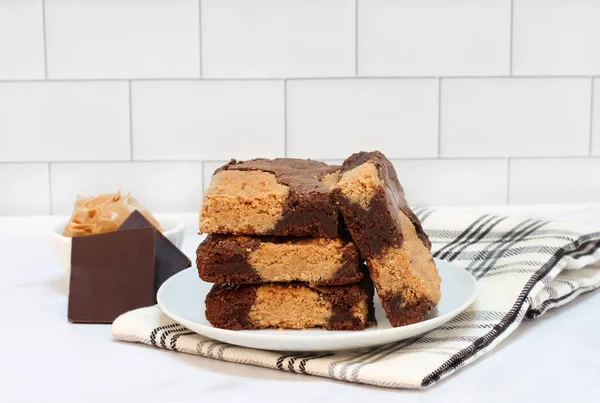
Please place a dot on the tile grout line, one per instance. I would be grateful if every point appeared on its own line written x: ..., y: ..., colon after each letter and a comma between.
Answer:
x: 592, y: 119
x: 510, y: 55
x: 439, y: 116
x: 154, y: 161
x: 50, y: 187
x: 347, y: 78
x: 285, y: 120
x: 130, y: 125
x: 356, y: 38
x: 331, y: 158
x: 200, y: 36
x: 44, y: 39
x: 508, y: 181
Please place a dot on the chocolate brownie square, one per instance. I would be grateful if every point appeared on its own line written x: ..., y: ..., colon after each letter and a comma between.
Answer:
x: 291, y: 306
x: 389, y: 236
x: 283, y: 197
x: 240, y: 259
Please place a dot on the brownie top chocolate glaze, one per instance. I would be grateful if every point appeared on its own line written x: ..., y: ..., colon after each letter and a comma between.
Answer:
x: 300, y: 175
x: 384, y: 206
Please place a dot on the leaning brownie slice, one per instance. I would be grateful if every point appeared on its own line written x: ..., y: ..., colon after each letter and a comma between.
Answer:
x: 283, y: 197
x: 389, y: 236
x: 291, y: 306
x: 240, y: 259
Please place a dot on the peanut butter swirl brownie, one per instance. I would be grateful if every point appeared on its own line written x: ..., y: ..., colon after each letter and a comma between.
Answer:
x: 291, y: 306
x: 242, y: 259
x: 389, y: 236
x: 283, y: 197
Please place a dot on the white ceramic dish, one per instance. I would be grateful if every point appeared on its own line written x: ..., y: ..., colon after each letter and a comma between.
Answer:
x: 174, y: 230
x: 182, y: 298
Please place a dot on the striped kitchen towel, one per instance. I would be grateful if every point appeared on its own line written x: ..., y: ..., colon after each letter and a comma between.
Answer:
x: 523, y: 268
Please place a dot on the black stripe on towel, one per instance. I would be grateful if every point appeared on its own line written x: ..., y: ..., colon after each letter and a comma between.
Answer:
x: 470, y: 351
x: 173, y: 343
x: 441, y: 253
x: 158, y: 329
x: 166, y: 333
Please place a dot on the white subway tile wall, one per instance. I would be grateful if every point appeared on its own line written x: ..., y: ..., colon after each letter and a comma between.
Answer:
x: 122, y: 39
x: 502, y: 117
x: 21, y: 40
x: 274, y: 38
x: 25, y: 189
x: 476, y: 101
x: 453, y: 182
x: 433, y: 37
x: 334, y: 118
x: 554, y: 180
x: 556, y: 37
x: 203, y: 120
x: 64, y: 121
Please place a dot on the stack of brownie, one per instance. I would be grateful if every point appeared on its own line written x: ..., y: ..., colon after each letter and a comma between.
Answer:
x: 298, y: 244
x: 275, y: 250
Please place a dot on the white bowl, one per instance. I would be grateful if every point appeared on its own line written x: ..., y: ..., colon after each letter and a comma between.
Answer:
x: 174, y: 230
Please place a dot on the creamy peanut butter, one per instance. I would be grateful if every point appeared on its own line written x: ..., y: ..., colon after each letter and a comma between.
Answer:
x: 104, y: 213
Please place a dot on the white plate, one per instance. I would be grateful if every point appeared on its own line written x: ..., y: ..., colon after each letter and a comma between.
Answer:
x: 182, y: 298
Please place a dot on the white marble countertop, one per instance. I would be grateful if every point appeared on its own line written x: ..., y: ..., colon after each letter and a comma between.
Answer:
x: 44, y: 358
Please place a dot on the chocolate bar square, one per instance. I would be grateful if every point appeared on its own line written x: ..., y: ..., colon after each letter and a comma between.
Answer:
x: 111, y: 274
x: 169, y: 259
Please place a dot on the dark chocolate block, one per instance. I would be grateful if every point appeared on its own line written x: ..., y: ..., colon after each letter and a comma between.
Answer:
x: 283, y: 197
x: 111, y: 274
x: 169, y: 259
x: 291, y: 306
x: 389, y: 235
x: 253, y: 260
